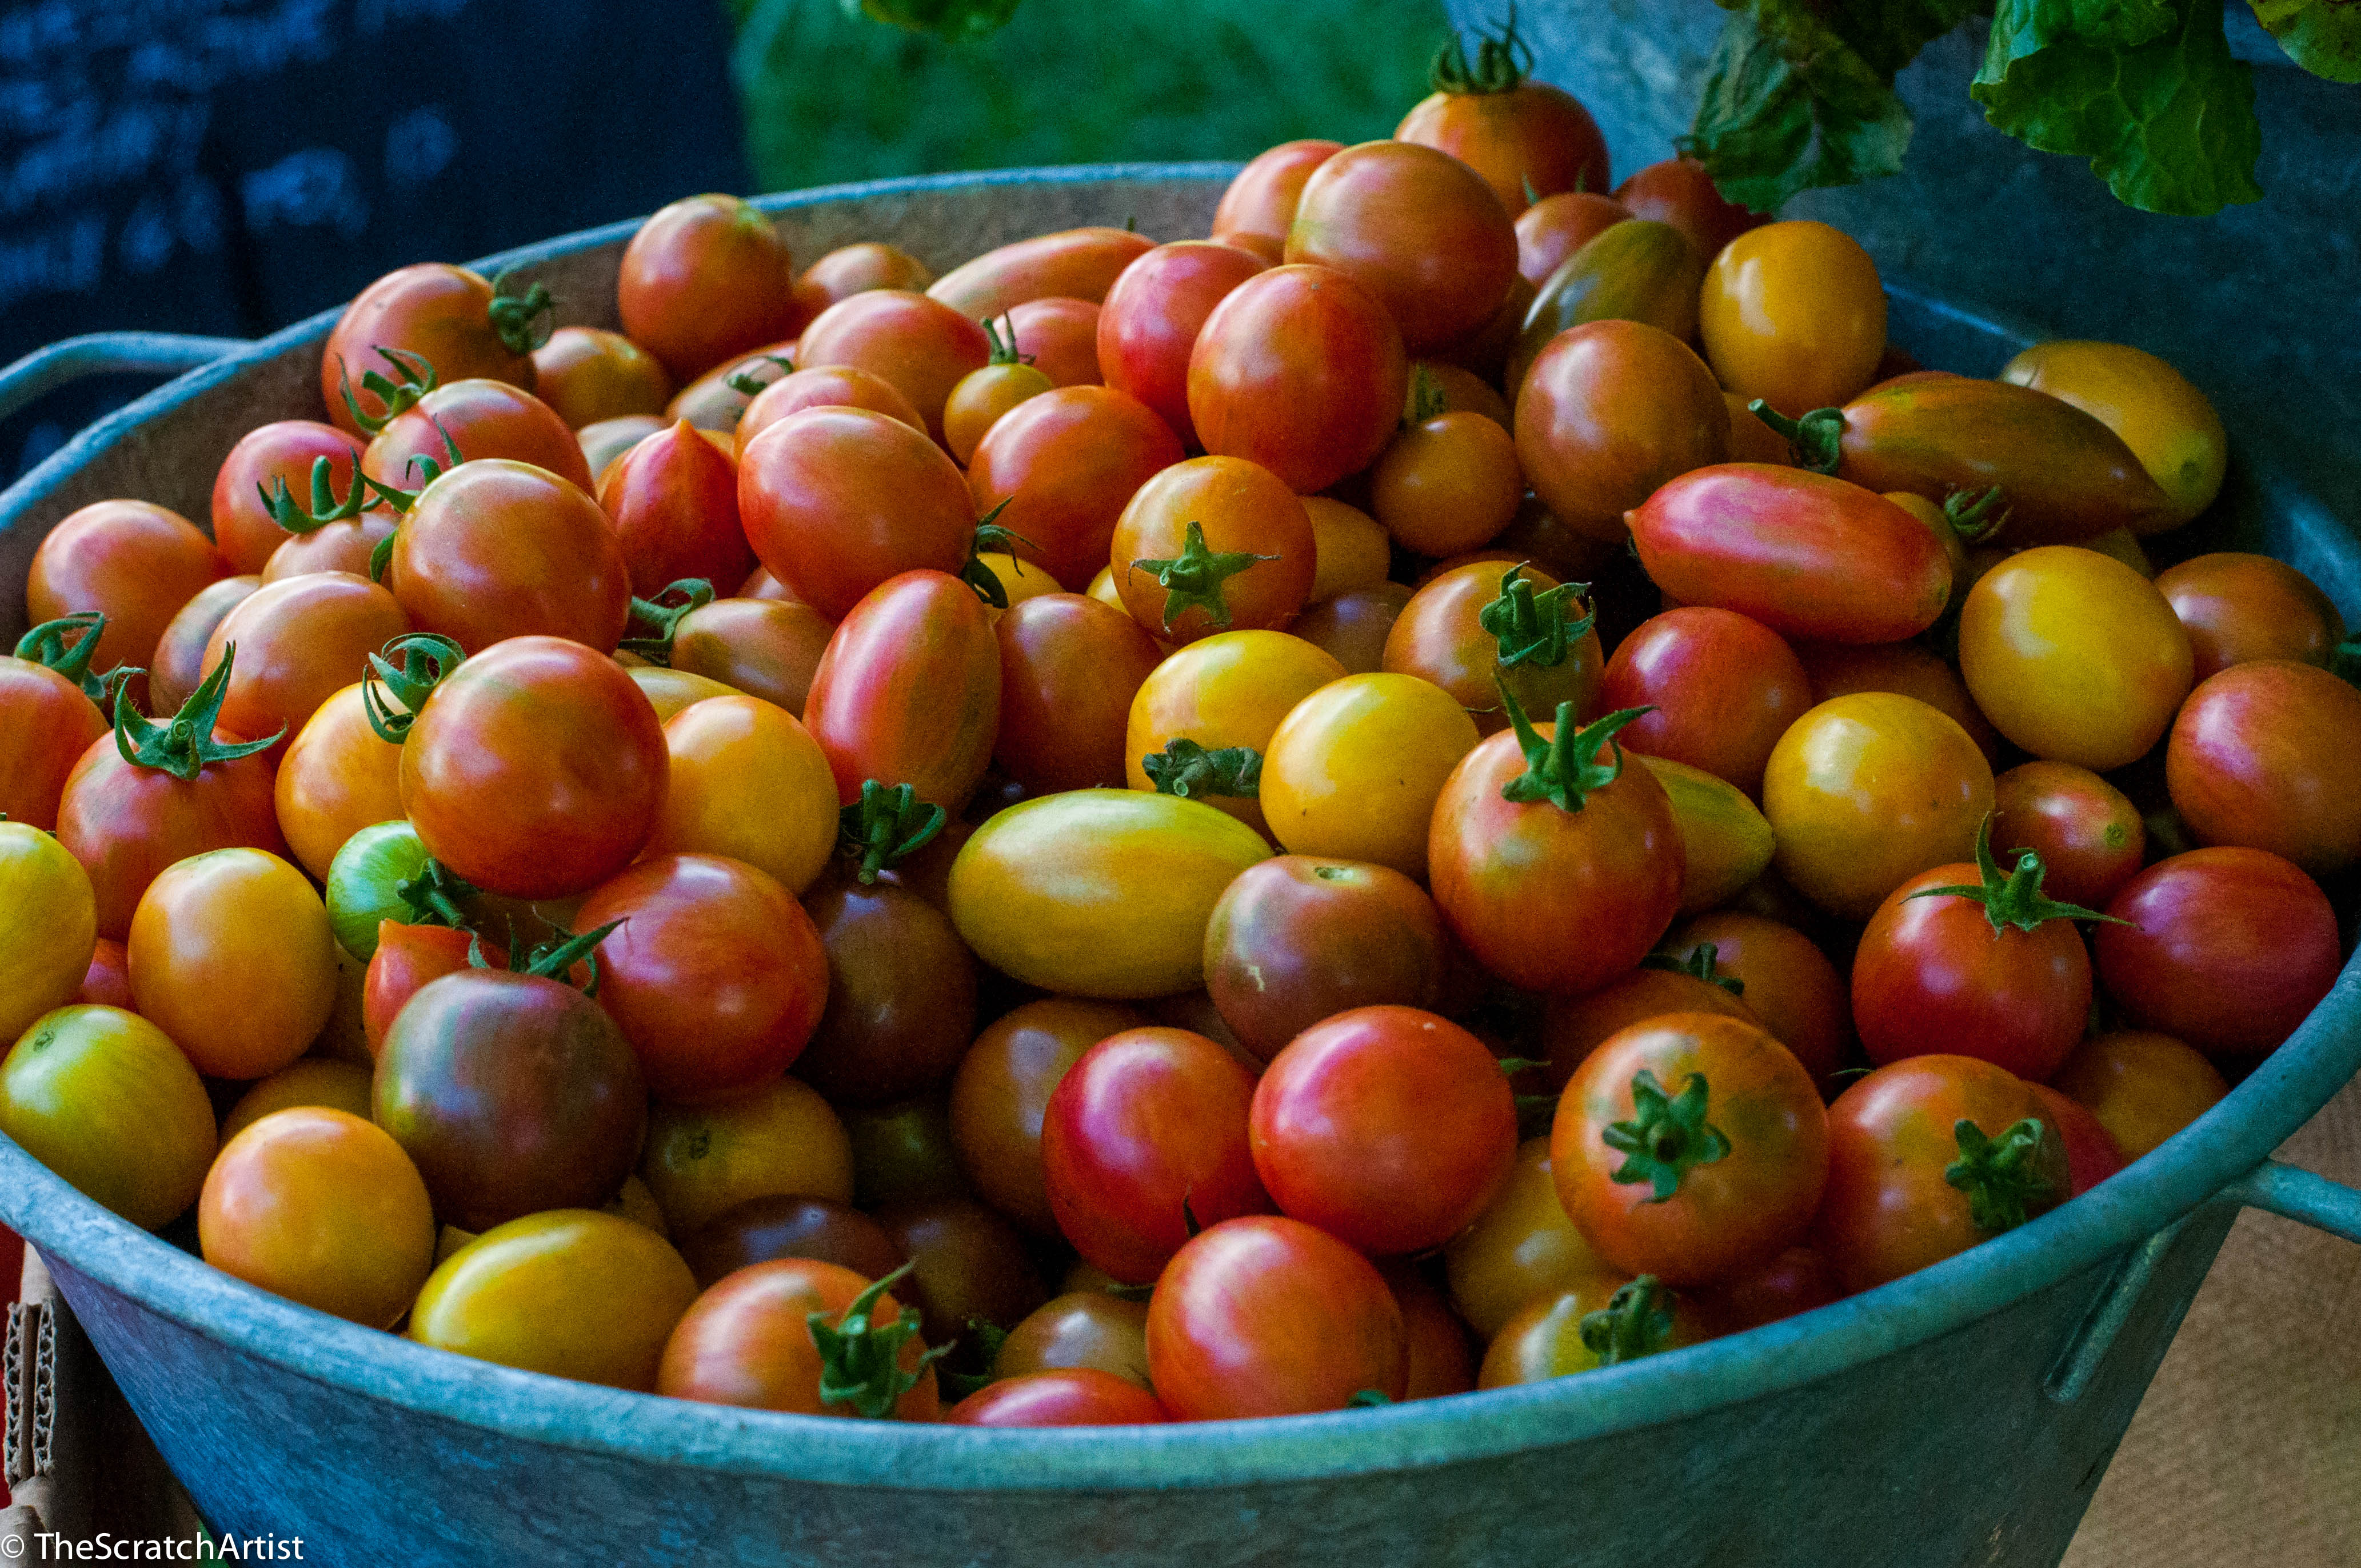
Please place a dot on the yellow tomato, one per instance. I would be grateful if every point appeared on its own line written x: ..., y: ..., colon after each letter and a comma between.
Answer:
x: 313, y: 1080
x: 571, y: 1292
x: 345, y: 1037
x: 49, y: 927
x: 2074, y: 656
x: 635, y: 1202
x: 1355, y: 768
x: 1725, y: 841
x: 2141, y: 1086
x: 1793, y: 314
x: 1350, y: 548
x: 105, y: 1099
x: 231, y: 955
x: 669, y: 691
x: 748, y: 781
x: 1544, y: 1339
x: 322, y: 1207
x: 1866, y: 791
x: 1102, y: 589
x: 784, y: 1138
x: 1099, y: 892
x: 1018, y: 580
x: 1522, y: 1246
x: 2168, y: 423
x: 1229, y: 689
x: 337, y: 778
x: 2125, y: 546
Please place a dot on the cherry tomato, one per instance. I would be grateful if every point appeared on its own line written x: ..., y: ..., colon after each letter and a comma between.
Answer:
x: 1679, y: 192
x: 2238, y: 608
x: 46, y: 725
x: 971, y: 1277
x: 496, y: 549
x: 1437, y: 1358
x: 2171, y: 428
x: 451, y: 318
x: 669, y: 691
x: 760, y: 647
x: 851, y: 269
x: 136, y: 563
x: 1905, y: 669
x: 2141, y: 1086
x: 2092, y: 1155
x: 323, y: 1208
x: 346, y: 546
x: 405, y: 958
x: 1573, y: 1027
x: 2088, y: 832
x: 1350, y: 548
x: 983, y: 397
x: 1796, y: 1281
x: 482, y: 420
x: 2227, y: 949
x: 750, y: 1340
x: 1557, y: 225
x: 747, y: 781
x: 1547, y: 897
x: 781, y: 1140
x: 1075, y: 264
x: 1066, y: 1396
x: 1447, y: 484
x: 588, y: 373
x: 672, y: 500
x: 1144, y: 1140
x: 2256, y: 757
x: 1301, y: 370
x: 1082, y: 1329
x: 1864, y: 792
x: 300, y: 641
x: 1061, y: 467
x: 107, y: 981
x: 1526, y: 138
x: 1003, y: 1088
x: 1609, y: 411
x: 573, y: 1293
x: 915, y: 341
x: 608, y: 439
x: 266, y: 456
x: 1060, y: 336
x: 908, y: 691
x: 1793, y: 314
x: 901, y: 994
x: 1353, y: 627
x: 1790, y: 985
x: 1228, y: 690
x: 1213, y: 544
x: 1419, y: 228
x: 1637, y: 272
x: 1294, y: 940
x: 1258, y: 207
x: 837, y: 500
x: 314, y: 1082
x: 1521, y: 1248
x: 822, y: 386
x: 49, y: 927
x: 762, y: 1230
x: 716, y: 400
x: 1723, y: 688
x: 1894, y: 1205
x: 230, y: 954
x: 2074, y: 656
x: 1151, y: 318
x: 1069, y: 671
x: 902, y: 1152
x: 1552, y: 1336
x: 179, y: 663
x: 705, y: 278
x: 106, y: 1099
x: 1726, y: 841
x: 1355, y: 769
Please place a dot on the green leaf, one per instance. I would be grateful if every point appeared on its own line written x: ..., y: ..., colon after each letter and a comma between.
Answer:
x: 1888, y: 34
x: 1789, y: 105
x: 2168, y: 122
x: 2321, y: 36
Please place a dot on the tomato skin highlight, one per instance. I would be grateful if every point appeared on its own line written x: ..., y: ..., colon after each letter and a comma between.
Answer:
x: 126, y: 823
x: 2237, y: 607
x: 908, y: 691
x: 440, y: 313
x: 1805, y: 555
x: 230, y: 954
x: 1724, y: 689
x: 571, y: 1292
x: 1070, y: 669
x: 1258, y: 206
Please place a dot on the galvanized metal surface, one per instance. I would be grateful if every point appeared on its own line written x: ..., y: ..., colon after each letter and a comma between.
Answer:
x: 1916, y: 1424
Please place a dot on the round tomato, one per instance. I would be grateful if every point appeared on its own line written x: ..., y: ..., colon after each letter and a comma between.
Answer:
x: 2092, y: 1155
x: 2237, y: 607
x: 1793, y: 314
x: 1417, y: 227
x: 1352, y: 628
x: 1679, y: 192
x: 1211, y: 544
x: 673, y: 500
x: 268, y: 457
x: 1723, y: 689
x: 1524, y: 1246
x: 823, y: 385
x: 1528, y: 140
x: 908, y: 691
x: 2088, y: 833
x: 1905, y: 669
x: 450, y: 318
x: 1083, y: 1328
x: 1438, y: 1359
x: 851, y: 269
x: 1603, y: 1320
x: 46, y: 722
x: 1001, y: 1091
x: 1153, y: 314
x: 2227, y: 949
x: 1573, y: 1027
x: 1258, y: 206
x: 478, y: 420
x: 1609, y: 412
x: 315, y: 1081
x: 781, y: 1140
x: 1295, y: 939
x: 347, y: 545
x: 704, y: 278
x: 1229, y: 690
x: 902, y: 1153
x: 762, y: 1230
x: 971, y: 1274
x: 2141, y: 1086
x: 587, y: 374
x: 805, y: 1336
x: 496, y: 549
x: 763, y: 647
x: 1449, y: 483
x: 179, y: 666
x: 901, y: 994
x: 403, y: 960
x: 1354, y: 769
x: 746, y: 780
x: 2256, y: 759
x: 1069, y: 1397
x: 1071, y: 669
x: 1058, y: 470
x: 1796, y: 1281
x: 299, y: 640
x: 1301, y: 370
x: 837, y: 500
x: 231, y: 955
x: 919, y: 343
x: 135, y: 563
x: 983, y: 397
x: 1789, y: 984
x: 1059, y: 335
x: 106, y: 1099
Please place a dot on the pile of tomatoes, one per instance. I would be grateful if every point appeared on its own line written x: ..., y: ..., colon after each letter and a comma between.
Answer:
x: 1463, y: 780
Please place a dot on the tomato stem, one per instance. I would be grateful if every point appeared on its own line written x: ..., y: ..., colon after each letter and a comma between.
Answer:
x: 413, y: 376
x: 1976, y: 515
x: 1815, y: 439
x: 1193, y: 579
x: 1427, y: 396
x: 990, y: 535
x: 1698, y: 965
x: 1370, y: 1399
x: 1636, y: 1321
x: 1532, y: 628
x: 2345, y: 662
x: 1666, y: 1137
x: 1186, y: 769
x: 745, y: 383
x: 185, y: 745
x: 664, y: 617
x: 49, y: 644
x: 326, y: 509
x: 434, y: 895
x: 861, y: 1359
x: 1503, y: 61
x: 2002, y: 1176
x: 886, y: 825
x: 1563, y: 769
x: 2014, y: 899
x: 425, y: 661
x: 1003, y: 353
x: 521, y: 322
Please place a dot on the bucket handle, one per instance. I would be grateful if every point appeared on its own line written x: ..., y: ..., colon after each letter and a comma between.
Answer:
x: 2278, y: 1187
x: 106, y: 353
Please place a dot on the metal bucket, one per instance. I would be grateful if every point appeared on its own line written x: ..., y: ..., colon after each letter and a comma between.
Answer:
x: 1959, y: 1416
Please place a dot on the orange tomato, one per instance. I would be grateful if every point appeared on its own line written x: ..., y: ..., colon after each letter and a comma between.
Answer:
x: 1230, y: 689
x: 337, y: 777
x: 231, y: 955
x: 1354, y: 770
x: 783, y: 1139
x: 1793, y: 314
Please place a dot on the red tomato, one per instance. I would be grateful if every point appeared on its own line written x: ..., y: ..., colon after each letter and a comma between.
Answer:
x: 1724, y: 689
x: 1059, y: 337
x: 1387, y: 1127
x: 300, y: 641
x: 1556, y: 227
x: 757, y: 1339
x: 1077, y: 264
x: 2225, y: 948
x: 1527, y: 138
x: 1153, y: 314
x: 2257, y: 757
x: 1143, y: 1142
x: 1796, y: 1281
x: 1680, y: 193
x: 823, y: 385
x: 2087, y: 832
x: 282, y: 452
x: 46, y: 725
x: 178, y: 667
x: 588, y: 375
x: 1417, y: 227
x: 1549, y: 897
x: 1301, y: 370
x: 1213, y: 544
x: 536, y: 771
x: 495, y: 549
x: 1001, y: 1092
x: 715, y: 974
x: 1258, y: 207
x: 348, y: 546
x: 1442, y: 636
x: 1068, y: 669
x: 107, y: 983
x: 136, y: 563
x: 1692, y: 1148
x: 1297, y: 940
x: 920, y: 345
x: 705, y: 277
x: 836, y: 500
x: 2239, y: 607
x: 1609, y: 411
x: 407, y: 957
x: 672, y: 499
x: 849, y: 268
x: 1805, y: 554
x: 2092, y: 1155
x: 448, y: 316
x: 1438, y: 1359
x: 1353, y: 627
x: 1061, y: 467
x: 908, y: 692
x: 1789, y: 983
x: 482, y: 419
x: 1926, y: 1157
x: 1266, y: 1315
x: 1062, y: 1397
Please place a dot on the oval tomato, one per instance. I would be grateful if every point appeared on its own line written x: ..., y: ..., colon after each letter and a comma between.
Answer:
x: 1224, y: 691
x: 919, y: 343
x: 300, y: 641
x: 781, y: 1140
x: 1058, y: 470
x: 765, y: 648
x: 2166, y: 421
x: 482, y: 420
x: 2141, y: 1086
x: 1355, y: 769
x: 180, y: 665
x: 823, y: 385
x: 851, y: 269
x: 1524, y: 1246
x: 2225, y: 948
x: 49, y: 927
x: 1559, y: 224
x: 1726, y: 841
x: 1070, y: 670
x: 2256, y: 757
x: 1609, y: 411
x: 837, y: 500
x: 747, y: 780
x: 1083, y: 1328
x: 1637, y: 272
x: 1418, y: 227
x: 587, y: 375
x: 573, y: 1293
x: 908, y: 692
x: 1075, y: 264
x: 2237, y: 607
x: 673, y: 500
x: 451, y: 318
x: 1679, y: 192
x: 901, y: 994
x: 106, y: 1099
x: 762, y: 1230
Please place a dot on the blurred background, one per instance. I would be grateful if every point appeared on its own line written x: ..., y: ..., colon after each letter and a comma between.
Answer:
x: 228, y: 167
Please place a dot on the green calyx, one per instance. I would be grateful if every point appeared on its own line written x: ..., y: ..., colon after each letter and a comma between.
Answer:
x: 66, y: 645
x: 987, y: 1337
x: 1003, y: 352
x: 184, y: 746
x: 401, y: 501
x: 399, y: 679
x: 1426, y: 397
x: 1502, y: 63
x: 1565, y: 769
x: 1532, y: 627
x: 1816, y: 439
x: 674, y: 603
x: 1193, y: 579
x: 1186, y: 769
x: 990, y: 535
x: 326, y: 509
x: 2014, y: 899
x: 1667, y: 1136
x: 861, y: 1359
x: 1698, y: 965
x: 1976, y: 515
x: 553, y: 959
x: 885, y: 825
x: 434, y: 896
x: 2345, y: 662
x: 2003, y: 1176
x: 1637, y: 1320
x: 745, y: 383
x: 521, y: 322
x: 1370, y: 1399
x: 413, y: 376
